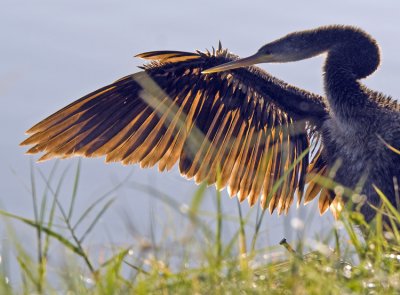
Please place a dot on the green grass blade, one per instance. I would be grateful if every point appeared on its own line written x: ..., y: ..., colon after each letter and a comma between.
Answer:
x: 53, y: 210
x: 99, y: 200
x: 96, y: 219
x: 43, y: 206
x: 197, y: 199
x: 46, y: 230
x: 393, y: 210
x: 74, y: 190
x: 39, y: 229
x: 393, y: 149
x: 154, y: 193
x: 218, y: 233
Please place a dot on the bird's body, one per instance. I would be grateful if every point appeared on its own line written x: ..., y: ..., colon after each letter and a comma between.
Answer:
x: 359, y: 119
x: 243, y: 128
x: 363, y: 158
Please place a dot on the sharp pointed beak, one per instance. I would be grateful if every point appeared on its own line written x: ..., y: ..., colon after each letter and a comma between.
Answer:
x: 244, y: 62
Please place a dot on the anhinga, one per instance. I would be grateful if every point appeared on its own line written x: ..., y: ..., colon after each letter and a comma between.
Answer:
x: 230, y: 123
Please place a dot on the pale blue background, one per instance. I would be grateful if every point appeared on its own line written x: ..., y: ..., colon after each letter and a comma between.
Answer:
x: 53, y: 52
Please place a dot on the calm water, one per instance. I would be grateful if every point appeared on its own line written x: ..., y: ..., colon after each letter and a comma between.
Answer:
x: 53, y: 52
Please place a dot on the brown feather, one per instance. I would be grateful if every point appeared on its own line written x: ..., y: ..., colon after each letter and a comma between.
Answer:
x: 66, y: 111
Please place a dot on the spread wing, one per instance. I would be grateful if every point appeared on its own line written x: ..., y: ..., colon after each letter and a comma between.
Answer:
x: 226, y: 128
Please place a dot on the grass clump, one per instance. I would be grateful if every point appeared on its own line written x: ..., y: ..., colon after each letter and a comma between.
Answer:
x: 200, y: 261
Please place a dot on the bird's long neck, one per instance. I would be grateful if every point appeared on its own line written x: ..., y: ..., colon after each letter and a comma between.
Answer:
x: 351, y: 55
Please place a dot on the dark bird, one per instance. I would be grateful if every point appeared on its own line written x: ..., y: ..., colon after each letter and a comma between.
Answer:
x: 241, y: 127
x: 361, y: 126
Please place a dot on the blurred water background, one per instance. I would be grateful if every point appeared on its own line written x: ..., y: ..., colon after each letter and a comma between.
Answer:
x: 53, y: 52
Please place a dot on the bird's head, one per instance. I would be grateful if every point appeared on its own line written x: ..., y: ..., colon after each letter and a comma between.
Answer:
x: 292, y: 47
x: 350, y: 45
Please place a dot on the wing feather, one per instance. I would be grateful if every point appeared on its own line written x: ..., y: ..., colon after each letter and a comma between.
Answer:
x: 222, y: 124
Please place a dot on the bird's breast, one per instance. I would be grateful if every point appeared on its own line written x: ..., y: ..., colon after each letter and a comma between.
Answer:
x: 351, y: 149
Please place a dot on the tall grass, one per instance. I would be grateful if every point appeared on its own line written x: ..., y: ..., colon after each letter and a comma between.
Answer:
x: 203, y: 262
